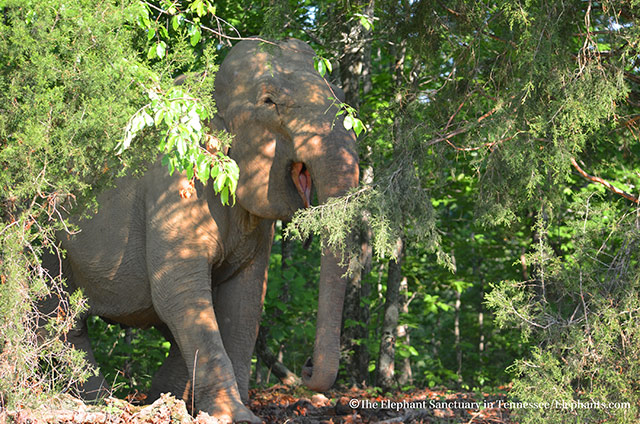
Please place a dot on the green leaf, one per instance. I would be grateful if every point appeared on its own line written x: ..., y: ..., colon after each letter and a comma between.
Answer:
x: 327, y: 64
x: 163, y: 31
x: 161, y: 49
x: 224, y: 196
x: 348, y: 122
x: 195, y: 37
x: 175, y: 22
x: 320, y: 67
x: 358, y: 126
x: 200, y: 8
x: 151, y: 33
x: 215, y: 170
x: 204, y: 171
x: 365, y: 23
x: 148, y: 120
x: 159, y: 116
x: 219, y: 182
x: 189, y: 170
x: 152, y: 52
x: 181, y: 145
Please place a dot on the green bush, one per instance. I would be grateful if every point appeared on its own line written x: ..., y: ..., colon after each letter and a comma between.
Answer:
x: 584, y: 316
x: 74, y: 78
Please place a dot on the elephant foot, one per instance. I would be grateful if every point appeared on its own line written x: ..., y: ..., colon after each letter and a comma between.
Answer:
x: 234, y: 413
x: 227, y: 407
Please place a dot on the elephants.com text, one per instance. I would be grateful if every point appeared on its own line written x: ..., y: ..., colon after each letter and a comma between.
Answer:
x: 457, y: 404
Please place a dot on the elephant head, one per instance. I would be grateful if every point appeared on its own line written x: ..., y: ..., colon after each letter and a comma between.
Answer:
x: 288, y: 140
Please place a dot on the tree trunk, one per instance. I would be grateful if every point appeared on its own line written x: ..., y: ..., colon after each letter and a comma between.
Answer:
x: 456, y: 327
x: 355, y: 62
x: 456, y: 332
x: 355, y: 312
x: 386, y: 360
x: 355, y: 77
x: 355, y: 317
x: 406, y: 376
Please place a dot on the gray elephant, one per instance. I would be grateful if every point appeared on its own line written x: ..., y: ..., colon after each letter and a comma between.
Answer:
x: 198, y: 270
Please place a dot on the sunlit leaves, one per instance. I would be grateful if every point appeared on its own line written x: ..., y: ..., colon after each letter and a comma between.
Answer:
x: 177, y: 114
x: 186, y: 17
x: 180, y: 117
x: 365, y: 21
x: 350, y: 121
x: 322, y: 65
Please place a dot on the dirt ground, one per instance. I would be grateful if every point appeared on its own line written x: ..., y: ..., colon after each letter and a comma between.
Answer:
x: 280, y: 404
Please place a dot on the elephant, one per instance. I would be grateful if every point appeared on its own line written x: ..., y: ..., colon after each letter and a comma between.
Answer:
x: 197, y: 269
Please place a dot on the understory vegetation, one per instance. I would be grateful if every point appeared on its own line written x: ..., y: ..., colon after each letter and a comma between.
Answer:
x: 494, y: 239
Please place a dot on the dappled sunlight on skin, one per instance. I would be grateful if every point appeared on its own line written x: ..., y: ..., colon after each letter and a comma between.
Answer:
x: 294, y: 104
x: 170, y: 254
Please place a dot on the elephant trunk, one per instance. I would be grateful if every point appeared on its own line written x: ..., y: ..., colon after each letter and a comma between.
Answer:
x: 334, y: 180
x: 320, y: 373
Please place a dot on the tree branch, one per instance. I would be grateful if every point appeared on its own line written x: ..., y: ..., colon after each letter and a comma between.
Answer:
x: 605, y: 183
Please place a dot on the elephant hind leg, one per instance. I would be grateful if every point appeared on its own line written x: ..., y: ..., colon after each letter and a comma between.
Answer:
x: 96, y: 387
x: 172, y: 376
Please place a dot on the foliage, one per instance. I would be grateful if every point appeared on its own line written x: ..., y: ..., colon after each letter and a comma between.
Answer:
x: 181, y: 111
x: 129, y: 357
x: 71, y: 80
x: 473, y: 117
x: 57, y: 133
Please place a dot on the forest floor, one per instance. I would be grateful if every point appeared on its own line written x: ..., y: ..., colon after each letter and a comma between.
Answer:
x: 425, y: 406
x: 280, y: 404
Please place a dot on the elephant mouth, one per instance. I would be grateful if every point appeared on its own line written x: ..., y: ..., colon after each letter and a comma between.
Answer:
x: 302, y: 180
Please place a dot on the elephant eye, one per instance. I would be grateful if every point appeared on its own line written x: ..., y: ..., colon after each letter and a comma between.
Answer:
x: 267, y: 100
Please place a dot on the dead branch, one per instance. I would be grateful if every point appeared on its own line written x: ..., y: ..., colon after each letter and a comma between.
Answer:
x: 605, y: 183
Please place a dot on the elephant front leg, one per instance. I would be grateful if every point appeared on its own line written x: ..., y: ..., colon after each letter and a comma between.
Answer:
x: 187, y: 310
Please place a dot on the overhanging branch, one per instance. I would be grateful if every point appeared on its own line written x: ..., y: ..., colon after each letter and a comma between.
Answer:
x: 605, y: 183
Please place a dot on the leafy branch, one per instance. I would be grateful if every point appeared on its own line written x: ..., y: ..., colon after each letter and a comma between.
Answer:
x: 351, y: 121
x: 181, y: 116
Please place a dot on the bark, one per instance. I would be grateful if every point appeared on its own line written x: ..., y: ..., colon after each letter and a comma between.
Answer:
x: 354, y: 336
x: 355, y: 78
x: 357, y: 316
x: 386, y: 360
x: 481, y: 326
x: 406, y: 376
x: 355, y: 62
x: 456, y: 332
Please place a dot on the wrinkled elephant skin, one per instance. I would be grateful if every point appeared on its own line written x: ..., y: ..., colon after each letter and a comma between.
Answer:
x: 196, y: 269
